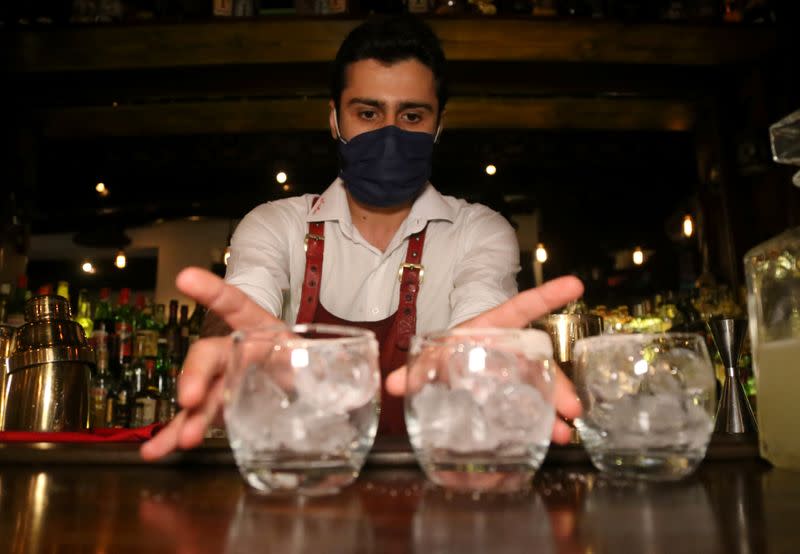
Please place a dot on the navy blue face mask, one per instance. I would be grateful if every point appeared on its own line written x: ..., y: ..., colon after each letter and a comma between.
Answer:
x: 386, y: 167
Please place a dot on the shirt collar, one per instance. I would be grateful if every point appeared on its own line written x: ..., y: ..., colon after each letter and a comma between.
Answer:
x: 332, y: 206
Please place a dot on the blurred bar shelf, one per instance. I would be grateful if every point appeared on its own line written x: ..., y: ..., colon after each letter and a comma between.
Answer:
x: 315, y: 40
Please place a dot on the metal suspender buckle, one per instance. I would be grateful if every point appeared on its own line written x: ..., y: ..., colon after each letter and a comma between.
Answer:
x: 311, y: 236
x: 418, y: 267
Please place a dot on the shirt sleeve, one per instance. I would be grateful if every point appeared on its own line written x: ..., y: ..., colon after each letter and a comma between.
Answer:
x: 259, y: 260
x: 485, y: 276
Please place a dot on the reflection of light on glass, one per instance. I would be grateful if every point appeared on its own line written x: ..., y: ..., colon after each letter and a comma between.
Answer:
x: 688, y: 226
x: 490, y: 169
x: 638, y: 256
x: 640, y: 367
x: 287, y: 188
x: 121, y: 261
x: 477, y: 359
x: 281, y: 177
x: 88, y: 267
x: 38, y: 505
x: 541, y: 253
x: 299, y: 358
x: 226, y: 255
x: 194, y: 218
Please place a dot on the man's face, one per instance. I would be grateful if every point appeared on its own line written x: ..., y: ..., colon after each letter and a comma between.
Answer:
x: 376, y: 95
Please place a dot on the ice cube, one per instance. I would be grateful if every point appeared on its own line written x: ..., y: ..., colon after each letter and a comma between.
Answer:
x: 480, y: 370
x: 695, y: 369
x: 336, y: 381
x: 251, y: 407
x: 517, y: 413
x: 303, y: 427
x: 451, y: 419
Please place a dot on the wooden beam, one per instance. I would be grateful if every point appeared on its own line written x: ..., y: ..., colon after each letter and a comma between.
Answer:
x: 295, y: 40
x: 311, y: 114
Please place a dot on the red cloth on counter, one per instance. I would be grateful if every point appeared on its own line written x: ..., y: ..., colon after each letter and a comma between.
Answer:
x: 97, y: 435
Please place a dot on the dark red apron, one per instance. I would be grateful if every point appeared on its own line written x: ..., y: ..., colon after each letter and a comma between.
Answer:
x: 393, y: 333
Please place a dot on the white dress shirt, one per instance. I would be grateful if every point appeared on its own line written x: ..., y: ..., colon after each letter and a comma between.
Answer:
x: 470, y: 258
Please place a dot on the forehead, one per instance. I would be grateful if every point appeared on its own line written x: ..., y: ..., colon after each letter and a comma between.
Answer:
x: 407, y: 80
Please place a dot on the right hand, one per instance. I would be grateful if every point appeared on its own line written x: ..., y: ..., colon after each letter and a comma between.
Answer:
x: 201, y: 382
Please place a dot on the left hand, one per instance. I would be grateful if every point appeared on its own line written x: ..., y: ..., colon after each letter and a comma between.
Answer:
x: 518, y: 312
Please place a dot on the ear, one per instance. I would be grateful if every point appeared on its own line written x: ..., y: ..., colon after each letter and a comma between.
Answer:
x: 332, y: 119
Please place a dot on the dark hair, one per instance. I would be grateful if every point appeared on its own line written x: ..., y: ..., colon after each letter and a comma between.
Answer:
x: 390, y: 40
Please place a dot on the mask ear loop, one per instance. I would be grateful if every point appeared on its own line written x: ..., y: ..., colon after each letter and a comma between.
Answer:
x: 336, y: 126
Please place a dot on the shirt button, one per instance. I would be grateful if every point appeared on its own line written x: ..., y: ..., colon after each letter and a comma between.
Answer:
x: 376, y: 311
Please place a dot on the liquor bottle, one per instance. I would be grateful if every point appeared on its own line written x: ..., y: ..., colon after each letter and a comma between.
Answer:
x: 147, y: 331
x: 46, y: 289
x: 138, y: 312
x: 184, y: 326
x: 104, y: 321
x: 63, y: 291
x: 196, y: 323
x: 5, y: 300
x: 160, y: 318
x: 121, y: 398
x: 84, y: 316
x: 15, y: 312
x: 172, y: 331
x: 123, y: 327
x: 100, y: 388
x: 145, y: 396
x: 163, y: 384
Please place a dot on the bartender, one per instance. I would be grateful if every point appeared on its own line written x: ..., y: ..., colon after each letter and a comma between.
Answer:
x: 380, y: 248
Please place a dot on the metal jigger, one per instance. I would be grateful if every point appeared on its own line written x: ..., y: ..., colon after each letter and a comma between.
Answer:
x: 734, y: 414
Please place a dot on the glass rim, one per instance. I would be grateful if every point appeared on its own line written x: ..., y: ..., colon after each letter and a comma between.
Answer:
x: 437, y: 337
x: 345, y: 334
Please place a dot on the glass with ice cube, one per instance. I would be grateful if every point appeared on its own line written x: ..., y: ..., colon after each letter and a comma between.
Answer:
x: 479, y: 406
x: 648, y: 403
x: 301, y: 406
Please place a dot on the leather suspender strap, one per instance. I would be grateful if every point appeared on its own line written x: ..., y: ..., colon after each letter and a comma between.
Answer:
x: 314, y: 244
x: 411, y: 274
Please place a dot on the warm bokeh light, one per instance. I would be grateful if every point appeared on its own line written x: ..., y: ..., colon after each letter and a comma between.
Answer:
x: 541, y: 253
x: 121, y: 261
x: 490, y: 169
x: 88, y: 267
x: 281, y: 177
x: 638, y: 256
x: 688, y: 226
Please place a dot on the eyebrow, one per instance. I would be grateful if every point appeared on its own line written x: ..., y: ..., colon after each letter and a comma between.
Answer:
x: 382, y: 105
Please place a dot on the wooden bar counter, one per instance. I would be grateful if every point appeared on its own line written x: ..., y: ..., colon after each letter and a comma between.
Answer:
x: 51, y: 501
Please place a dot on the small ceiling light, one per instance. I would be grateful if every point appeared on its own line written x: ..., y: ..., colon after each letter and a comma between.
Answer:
x: 101, y: 189
x: 121, y: 261
x: 688, y: 226
x: 541, y: 253
x: 638, y: 256
x: 490, y: 169
x: 281, y: 177
x: 88, y: 267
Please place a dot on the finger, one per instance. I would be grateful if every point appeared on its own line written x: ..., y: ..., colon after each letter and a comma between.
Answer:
x: 396, y: 382
x: 165, y: 440
x: 198, y: 420
x: 567, y: 403
x: 562, y: 433
x: 531, y: 304
x: 227, y: 301
x: 206, y: 359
